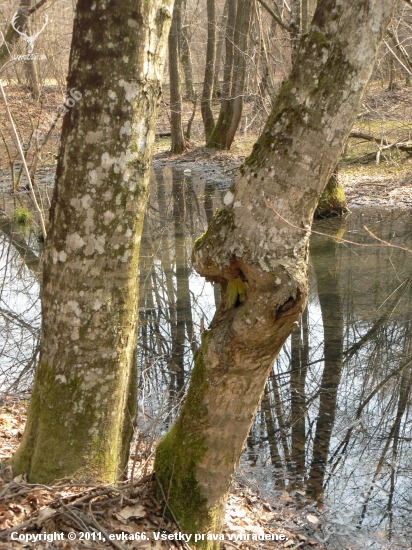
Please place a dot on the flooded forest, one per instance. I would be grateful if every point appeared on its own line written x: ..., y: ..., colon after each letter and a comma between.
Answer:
x: 328, y: 457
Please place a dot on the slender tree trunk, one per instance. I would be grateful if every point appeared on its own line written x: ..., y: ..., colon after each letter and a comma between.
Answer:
x: 232, y: 104
x: 295, y: 26
x: 186, y: 57
x: 206, y: 103
x: 260, y: 260
x: 219, y: 50
x: 176, y: 125
x: 82, y: 409
x: 186, y: 60
x: 214, y: 139
x: 29, y: 64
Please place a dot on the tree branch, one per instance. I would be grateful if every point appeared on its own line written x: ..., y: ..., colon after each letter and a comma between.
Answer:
x: 404, y: 146
x: 275, y: 17
x: 36, y: 6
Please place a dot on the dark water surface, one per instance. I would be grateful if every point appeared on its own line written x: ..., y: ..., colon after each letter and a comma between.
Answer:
x: 334, y: 426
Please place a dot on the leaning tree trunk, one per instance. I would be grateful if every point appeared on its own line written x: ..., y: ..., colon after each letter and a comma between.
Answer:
x: 81, y: 414
x: 176, y: 125
x: 260, y: 257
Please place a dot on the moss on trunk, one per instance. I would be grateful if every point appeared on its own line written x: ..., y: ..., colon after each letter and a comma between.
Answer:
x: 333, y: 200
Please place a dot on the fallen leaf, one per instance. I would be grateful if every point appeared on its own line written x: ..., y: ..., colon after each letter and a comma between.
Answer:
x: 137, y: 511
x: 312, y: 519
x: 44, y: 515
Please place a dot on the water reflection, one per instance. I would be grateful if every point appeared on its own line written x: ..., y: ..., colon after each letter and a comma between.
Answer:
x: 334, y: 425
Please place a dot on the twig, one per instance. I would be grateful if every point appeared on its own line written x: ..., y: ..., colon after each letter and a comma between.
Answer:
x: 4, y: 534
x: 339, y: 239
x: 19, y: 147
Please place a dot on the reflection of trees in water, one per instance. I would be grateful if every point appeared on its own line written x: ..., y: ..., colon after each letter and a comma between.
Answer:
x: 355, y: 401
x: 19, y: 307
x: 335, y: 414
x: 174, y: 301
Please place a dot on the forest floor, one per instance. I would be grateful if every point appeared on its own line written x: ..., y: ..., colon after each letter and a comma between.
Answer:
x: 130, y: 509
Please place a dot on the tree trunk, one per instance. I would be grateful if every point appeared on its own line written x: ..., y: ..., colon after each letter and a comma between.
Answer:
x: 29, y: 64
x: 333, y: 199
x: 260, y: 260
x: 176, y: 125
x: 232, y: 104
x: 186, y: 60
x: 219, y: 49
x: 206, y: 103
x: 81, y: 414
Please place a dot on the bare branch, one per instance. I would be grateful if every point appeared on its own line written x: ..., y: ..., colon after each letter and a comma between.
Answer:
x: 275, y: 17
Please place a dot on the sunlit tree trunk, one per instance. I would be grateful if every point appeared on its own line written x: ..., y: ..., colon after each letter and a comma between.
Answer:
x: 260, y: 260
x: 82, y: 409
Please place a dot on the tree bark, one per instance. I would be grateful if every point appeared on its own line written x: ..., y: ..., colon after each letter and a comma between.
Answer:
x: 206, y: 103
x: 260, y: 260
x: 176, y: 125
x: 81, y: 414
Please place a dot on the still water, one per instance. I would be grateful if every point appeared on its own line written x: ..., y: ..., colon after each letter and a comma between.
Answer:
x: 334, y: 426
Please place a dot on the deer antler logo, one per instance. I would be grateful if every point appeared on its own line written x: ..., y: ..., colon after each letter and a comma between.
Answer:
x: 30, y: 40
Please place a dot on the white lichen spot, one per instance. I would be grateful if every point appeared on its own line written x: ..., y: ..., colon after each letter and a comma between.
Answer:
x: 108, y: 217
x: 86, y: 201
x: 112, y: 94
x: 62, y: 256
x: 94, y: 137
x: 97, y: 305
x: 128, y: 233
x: 54, y: 255
x: 126, y: 128
x: 131, y: 89
x: 61, y: 378
x: 132, y: 23
x: 74, y: 306
x: 228, y: 199
x: 74, y: 241
x: 278, y: 281
x: 237, y: 204
x: 125, y: 256
x: 99, y: 244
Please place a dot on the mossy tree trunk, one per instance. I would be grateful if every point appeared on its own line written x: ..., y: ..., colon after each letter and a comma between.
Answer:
x: 333, y: 199
x: 81, y: 413
x: 260, y: 259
